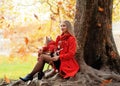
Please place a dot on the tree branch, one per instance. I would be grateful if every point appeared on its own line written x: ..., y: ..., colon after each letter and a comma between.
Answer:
x: 56, y: 13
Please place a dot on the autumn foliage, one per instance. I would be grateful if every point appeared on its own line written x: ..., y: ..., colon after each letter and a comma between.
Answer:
x: 27, y: 29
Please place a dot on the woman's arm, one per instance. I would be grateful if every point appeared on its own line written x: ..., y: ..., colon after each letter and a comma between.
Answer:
x: 71, y: 50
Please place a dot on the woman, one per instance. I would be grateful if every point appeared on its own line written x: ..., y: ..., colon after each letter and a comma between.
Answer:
x: 66, y: 45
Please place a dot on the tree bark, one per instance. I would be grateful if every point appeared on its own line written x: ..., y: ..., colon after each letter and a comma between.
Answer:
x: 93, y: 30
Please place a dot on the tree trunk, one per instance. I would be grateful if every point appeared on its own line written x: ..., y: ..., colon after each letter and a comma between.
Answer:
x: 93, y: 29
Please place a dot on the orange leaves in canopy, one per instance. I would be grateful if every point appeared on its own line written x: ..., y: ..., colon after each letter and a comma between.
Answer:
x: 100, y: 9
x: 52, y: 17
x: 2, y: 17
x: 21, y: 50
x: 69, y: 6
x: 7, y: 32
x: 59, y: 3
x: 105, y: 82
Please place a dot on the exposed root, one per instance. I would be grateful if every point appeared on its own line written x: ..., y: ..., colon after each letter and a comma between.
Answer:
x: 99, y: 76
x: 86, y: 77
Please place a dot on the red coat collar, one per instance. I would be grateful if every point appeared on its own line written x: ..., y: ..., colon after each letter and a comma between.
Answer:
x: 65, y: 36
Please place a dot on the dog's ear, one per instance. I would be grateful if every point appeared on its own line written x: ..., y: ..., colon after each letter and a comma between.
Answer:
x: 48, y: 39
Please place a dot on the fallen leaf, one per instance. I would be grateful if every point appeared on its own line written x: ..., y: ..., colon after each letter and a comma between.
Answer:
x: 7, y: 80
x: 105, y: 82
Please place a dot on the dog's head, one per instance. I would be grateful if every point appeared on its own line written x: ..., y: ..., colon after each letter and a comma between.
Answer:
x: 48, y: 39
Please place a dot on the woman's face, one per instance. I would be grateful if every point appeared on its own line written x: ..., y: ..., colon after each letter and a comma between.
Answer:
x: 63, y: 27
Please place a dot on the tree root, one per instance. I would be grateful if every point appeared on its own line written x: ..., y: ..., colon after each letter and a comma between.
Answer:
x: 99, y: 76
x: 88, y: 76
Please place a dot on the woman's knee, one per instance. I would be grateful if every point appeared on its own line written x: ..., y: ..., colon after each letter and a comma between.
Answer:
x: 44, y: 57
x: 40, y: 58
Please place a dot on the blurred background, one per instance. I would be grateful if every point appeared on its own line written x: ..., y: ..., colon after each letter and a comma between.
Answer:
x: 24, y: 24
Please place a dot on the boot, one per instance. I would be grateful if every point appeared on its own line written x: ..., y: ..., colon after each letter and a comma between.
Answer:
x: 27, y: 78
x: 40, y: 75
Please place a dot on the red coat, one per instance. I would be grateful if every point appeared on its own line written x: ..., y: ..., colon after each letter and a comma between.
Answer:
x: 50, y: 47
x: 68, y: 67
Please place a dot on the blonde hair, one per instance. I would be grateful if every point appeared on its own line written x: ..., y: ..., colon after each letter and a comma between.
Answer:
x: 70, y: 30
x: 69, y: 27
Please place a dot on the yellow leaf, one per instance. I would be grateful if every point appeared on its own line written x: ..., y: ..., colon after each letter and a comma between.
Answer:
x: 11, y: 8
x: 25, y: 19
x: 21, y: 50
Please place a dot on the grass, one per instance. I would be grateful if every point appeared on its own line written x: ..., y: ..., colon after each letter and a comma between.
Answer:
x: 14, y: 67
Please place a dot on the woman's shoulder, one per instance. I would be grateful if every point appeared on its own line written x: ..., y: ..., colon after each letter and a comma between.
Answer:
x: 58, y: 37
x: 72, y: 37
x: 51, y: 42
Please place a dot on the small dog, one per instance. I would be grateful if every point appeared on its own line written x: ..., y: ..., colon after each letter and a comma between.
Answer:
x: 49, y: 47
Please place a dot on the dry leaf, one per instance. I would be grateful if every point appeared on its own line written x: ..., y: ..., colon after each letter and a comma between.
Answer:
x: 59, y: 3
x: 100, y: 9
x: 36, y: 16
x: 21, y: 50
x: 1, y: 17
x: 99, y: 24
x: 8, y: 25
x: 52, y: 18
x: 69, y: 6
x: 39, y: 27
x: 26, y: 40
x: 105, y: 82
x: 113, y: 54
x: 7, y: 80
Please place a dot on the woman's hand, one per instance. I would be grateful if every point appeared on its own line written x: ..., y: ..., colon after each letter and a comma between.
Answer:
x: 55, y: 58
x: 40, y: 52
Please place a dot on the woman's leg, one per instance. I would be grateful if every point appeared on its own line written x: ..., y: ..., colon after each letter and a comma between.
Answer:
x: 40, y: 63
x: 38, y: 67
